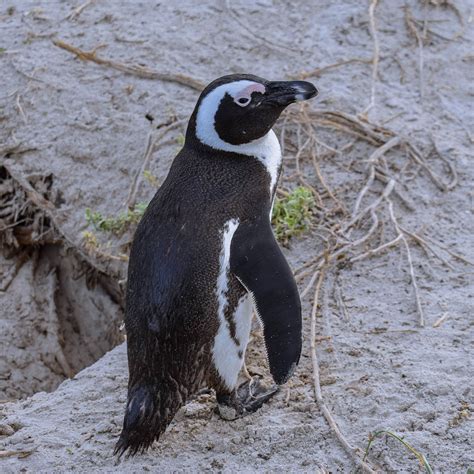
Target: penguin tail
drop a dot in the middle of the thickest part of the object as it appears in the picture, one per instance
(142, 422)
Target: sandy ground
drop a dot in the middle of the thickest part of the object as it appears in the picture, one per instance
(86, 124)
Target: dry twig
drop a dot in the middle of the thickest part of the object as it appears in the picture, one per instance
(140, 71)
(353, 452)
(77, 11)
(151, 144)
(411, 26)
(42, 228)
(419, 307)
(441, 320)
(6, 453)
(319, 70)
(343, 246)
(375, 57)
(20, 109)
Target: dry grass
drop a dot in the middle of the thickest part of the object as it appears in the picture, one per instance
(421, 457)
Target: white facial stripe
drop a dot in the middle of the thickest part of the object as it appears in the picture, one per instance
(266, 149)
(248, 91)
(205, 119)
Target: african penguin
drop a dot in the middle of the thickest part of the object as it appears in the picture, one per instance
(203, 255)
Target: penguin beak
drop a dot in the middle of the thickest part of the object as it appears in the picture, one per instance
(283, 93)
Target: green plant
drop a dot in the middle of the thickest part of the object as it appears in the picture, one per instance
(116, 224)
(292, 214)
(421, 457)
(90, 240)
(180, 139)
(151, 178)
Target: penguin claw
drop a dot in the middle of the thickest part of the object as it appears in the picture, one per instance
(248, 398)
(253, 394)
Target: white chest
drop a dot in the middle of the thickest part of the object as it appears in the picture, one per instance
(228, 352)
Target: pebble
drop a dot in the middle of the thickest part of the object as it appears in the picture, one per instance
(6, 430)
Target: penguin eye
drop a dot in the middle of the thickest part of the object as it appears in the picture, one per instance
(243, 101)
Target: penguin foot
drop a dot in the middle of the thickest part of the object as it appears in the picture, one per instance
(253, 394)
(248, 398)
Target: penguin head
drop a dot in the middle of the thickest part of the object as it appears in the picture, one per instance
(240, 109)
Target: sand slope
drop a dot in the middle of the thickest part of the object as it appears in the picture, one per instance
(86, 124)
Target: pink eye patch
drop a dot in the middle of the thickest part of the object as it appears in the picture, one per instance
(245, 95)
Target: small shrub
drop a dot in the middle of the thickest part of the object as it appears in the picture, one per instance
(292, 214)
(151, 179)
(90, 241)
(180, 139)
(116, 224)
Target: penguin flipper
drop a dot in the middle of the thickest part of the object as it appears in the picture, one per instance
(259, 264)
